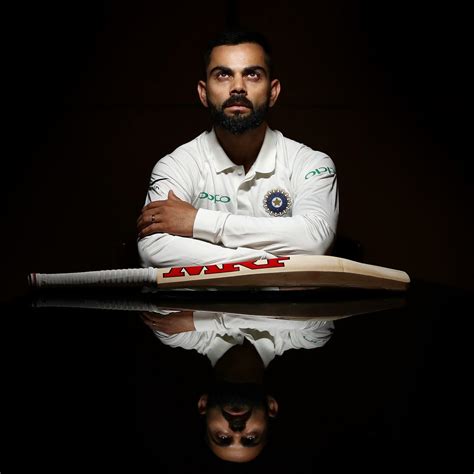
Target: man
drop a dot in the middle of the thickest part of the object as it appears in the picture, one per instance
(237, 408)
(240, 191)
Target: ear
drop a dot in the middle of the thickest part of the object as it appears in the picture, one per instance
(202, 92)
(202, 404)
(272, 407)
(275, 88)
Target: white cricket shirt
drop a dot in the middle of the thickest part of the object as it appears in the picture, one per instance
(217, 332)
(286, 204)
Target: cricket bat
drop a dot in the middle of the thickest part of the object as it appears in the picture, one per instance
(290, 272)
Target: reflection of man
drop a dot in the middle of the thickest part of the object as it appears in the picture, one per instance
(236, 407)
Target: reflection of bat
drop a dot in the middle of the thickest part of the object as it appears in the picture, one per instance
(298, 271)
(326, 309)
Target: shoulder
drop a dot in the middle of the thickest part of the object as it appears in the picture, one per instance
(299, 154)
(187, 155)
(194, 149)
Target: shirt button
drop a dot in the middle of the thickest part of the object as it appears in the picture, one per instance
(239, 172)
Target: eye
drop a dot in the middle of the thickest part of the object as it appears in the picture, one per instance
(223, 440)
(222, 75)
(253, 75)
(250, 440)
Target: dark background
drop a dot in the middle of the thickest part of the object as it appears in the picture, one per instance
(102, 90)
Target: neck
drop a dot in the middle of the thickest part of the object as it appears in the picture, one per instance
(240, 364)
(242, 149)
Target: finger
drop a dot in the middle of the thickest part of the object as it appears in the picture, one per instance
(149, 210)
(141, 223)
(153, 205)
(150, 229)
(143, 230)
(148, 218)
(151, 322)
(172, 196)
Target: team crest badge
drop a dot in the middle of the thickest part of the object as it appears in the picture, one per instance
(277, 202)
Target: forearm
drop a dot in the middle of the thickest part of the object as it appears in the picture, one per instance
(186, 340)
(309, 338)
(302, 234)
(164, 250)
(222, 322)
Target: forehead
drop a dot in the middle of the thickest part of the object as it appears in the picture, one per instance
(238, 56)
(236, 453)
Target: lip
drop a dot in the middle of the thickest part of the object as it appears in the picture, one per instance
(238, 107)
(236, 412)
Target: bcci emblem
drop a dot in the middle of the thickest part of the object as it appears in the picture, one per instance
(277, 202)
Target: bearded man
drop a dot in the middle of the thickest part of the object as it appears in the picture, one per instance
(240, 191)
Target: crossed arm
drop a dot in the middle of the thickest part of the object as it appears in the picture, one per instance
(171, 216)
(192, 330)
(173, 232)
(165, 231)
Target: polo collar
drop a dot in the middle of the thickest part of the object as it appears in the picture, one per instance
(266, 159)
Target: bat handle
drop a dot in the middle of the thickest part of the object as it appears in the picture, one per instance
(130, 277)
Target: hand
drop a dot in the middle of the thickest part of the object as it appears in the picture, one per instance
(174, 323)
(171, 216)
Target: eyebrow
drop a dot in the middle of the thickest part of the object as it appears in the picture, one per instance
(246, 70)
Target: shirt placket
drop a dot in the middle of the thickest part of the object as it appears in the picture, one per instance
(243, 198)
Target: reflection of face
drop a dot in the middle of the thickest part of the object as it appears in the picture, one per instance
(237, 420)
(238, 91)
(236, 445)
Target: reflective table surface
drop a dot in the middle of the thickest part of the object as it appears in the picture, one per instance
(345, 380)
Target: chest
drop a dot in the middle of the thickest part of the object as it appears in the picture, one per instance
(251, 194)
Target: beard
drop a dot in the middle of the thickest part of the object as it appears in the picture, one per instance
(237, 124)
(247, 397)
(236, 395)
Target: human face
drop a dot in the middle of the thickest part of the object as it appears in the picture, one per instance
(237, 417)
(238, 90)
(237, 446)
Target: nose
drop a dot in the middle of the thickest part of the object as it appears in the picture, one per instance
(237, 422)
(237, 425)
(238, 86)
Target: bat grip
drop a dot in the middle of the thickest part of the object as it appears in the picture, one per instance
(130, 277)
(89, 303)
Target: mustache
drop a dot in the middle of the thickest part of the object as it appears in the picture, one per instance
(237, 100)
(237, 422)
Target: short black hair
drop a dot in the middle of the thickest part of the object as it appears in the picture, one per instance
(234, 37)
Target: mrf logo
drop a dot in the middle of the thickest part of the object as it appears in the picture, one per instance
(225, 268)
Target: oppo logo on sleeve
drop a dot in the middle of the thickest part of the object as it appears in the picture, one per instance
(319, 171)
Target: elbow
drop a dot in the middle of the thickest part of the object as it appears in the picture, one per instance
(318, 240)
(322, 246)
(144, 253)
(148, 252)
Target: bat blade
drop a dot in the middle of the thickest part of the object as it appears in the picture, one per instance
(298, 271)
